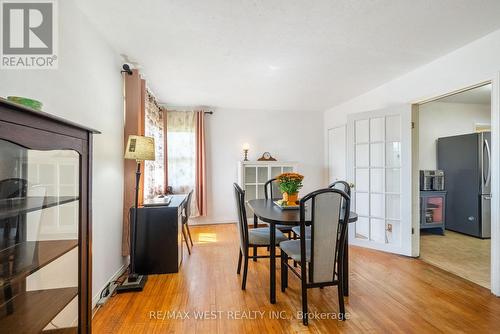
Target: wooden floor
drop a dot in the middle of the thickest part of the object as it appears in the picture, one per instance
(389, 294)
(460, 254)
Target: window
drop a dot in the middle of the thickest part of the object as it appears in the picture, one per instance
(181, 126)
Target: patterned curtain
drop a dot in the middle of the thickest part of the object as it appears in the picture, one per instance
(154, 171)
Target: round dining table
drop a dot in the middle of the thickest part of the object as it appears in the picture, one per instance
(267, 211)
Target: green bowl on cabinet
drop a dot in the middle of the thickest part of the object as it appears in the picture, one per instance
(34, 104)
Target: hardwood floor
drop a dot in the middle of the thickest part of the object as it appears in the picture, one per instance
(389, 294)
(460, 254)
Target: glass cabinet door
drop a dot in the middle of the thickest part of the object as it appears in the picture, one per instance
(434, 209)
(39, 239)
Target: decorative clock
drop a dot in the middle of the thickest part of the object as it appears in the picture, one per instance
(266, 156)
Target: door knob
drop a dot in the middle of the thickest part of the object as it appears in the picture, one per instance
(471, 218)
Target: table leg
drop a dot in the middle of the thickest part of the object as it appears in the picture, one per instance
(272, 264)
(345, 278)
(255, 224)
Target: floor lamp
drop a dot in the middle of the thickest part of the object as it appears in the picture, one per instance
(139, 148)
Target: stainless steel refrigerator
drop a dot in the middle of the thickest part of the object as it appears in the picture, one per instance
(465, 160)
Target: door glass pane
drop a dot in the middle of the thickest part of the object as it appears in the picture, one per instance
(392, 180)
(362, 228)
(393, 154)
(377, 230)
(377, 180)
(362, 183)
(376, 205)
(250, 192)
(362, 207)
(377, 155)
(262, 176)
(275, 171)
(393, 232)
(362, 131)
(39, 205)
(362, 155)
(250, 175)
(287, 169)
(393, 128)
(260, 191)
(393, 207)
(377, 129)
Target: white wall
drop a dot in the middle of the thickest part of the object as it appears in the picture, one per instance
(474, 63)
(288, 136)
(87, 89)
(441, 119)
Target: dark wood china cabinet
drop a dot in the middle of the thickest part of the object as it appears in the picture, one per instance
(45, 222)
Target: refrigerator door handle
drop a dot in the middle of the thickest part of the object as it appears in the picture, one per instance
(488, 177)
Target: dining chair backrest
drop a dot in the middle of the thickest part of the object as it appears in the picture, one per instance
(242, 217)
(341, 185)
(187, 205)
(329, 219)
(14, 187)
(272, 189)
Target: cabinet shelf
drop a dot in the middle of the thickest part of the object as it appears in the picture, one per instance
(29, 256)
(33, 310)
(14, 207)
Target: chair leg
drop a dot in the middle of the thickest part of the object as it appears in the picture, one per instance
(245, 271)
(304, 298)
(239, 262)
(185, 239)
(189, 234)
(255, 224)
(284, 271)
(341, 299)
(294, 238)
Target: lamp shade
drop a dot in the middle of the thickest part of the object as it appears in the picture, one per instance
(140, 148)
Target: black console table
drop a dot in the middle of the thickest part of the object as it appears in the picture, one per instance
(158, 248)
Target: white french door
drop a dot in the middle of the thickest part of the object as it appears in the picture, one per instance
(379, 166)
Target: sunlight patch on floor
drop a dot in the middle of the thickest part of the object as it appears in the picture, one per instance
(204, 238)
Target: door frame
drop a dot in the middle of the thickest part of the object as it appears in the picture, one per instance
(495, 177)
(344, 126)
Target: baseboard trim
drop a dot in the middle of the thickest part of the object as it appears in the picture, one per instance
(115, 276)
(201, 222)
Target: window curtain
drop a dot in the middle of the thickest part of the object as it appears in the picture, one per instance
(186, 156)
(154, 171)
(134, 104)
(201, 179)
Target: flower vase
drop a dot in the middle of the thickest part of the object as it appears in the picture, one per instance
(291, 199)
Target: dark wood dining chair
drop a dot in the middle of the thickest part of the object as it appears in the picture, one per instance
(329, 215)
(186, 213)
(340, 185)
(250, 238)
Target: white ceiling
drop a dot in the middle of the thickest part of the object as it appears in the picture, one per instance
(283, 54)
(479, 95)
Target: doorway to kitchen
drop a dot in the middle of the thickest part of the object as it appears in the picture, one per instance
(454, 182)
